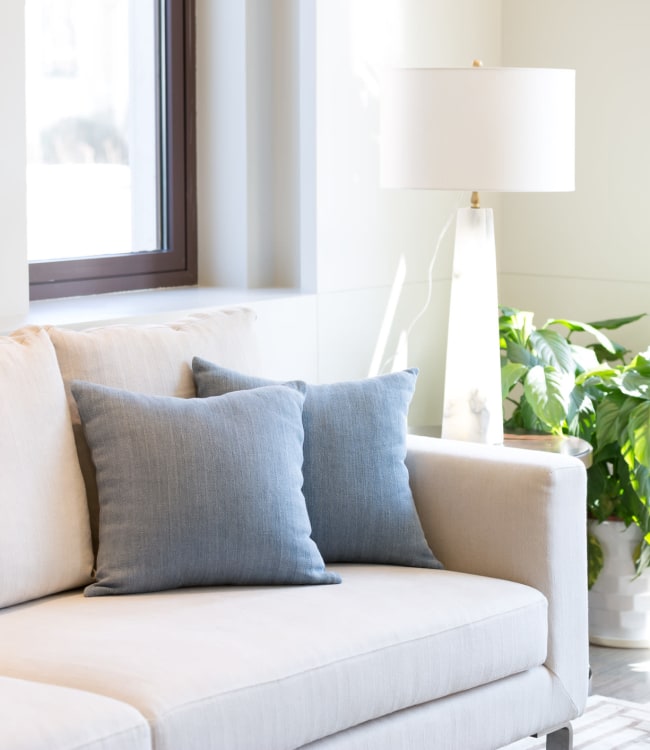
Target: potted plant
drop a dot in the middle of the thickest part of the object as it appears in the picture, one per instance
(594, 390)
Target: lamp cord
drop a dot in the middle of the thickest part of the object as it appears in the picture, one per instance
(462, 200)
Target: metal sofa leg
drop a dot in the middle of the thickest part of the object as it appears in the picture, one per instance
(560, 739)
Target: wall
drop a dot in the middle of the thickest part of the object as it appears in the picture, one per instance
(13, 248)
(364, 252)
(374, 246)
(289, 197)
(586, 254)
(288, 193)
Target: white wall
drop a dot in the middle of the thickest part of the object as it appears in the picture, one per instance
(586, 255)
(13, 246)
(287, 152)
(374, 246)
(364, 252)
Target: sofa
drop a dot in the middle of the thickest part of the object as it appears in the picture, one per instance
(195, 557)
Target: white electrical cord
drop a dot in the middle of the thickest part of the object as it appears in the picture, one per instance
(462, 200)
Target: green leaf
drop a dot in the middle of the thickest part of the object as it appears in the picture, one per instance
(640, 364)
(601, 375)
(574, 325)
(639, 432)
(584, 359)
(548, 393)
(642, 557)
(594, 559)
(524, 418)
(553, 350)
(634, 384)
(580, 405)
(519, 354)
(507, 312)
(599, 501)
(515, 325)
(511, 374)
(607, 427)
(603, 355)
(613, 323)
(638, 505)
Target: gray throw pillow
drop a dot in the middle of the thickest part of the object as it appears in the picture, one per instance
(356, 483)
(199, 492)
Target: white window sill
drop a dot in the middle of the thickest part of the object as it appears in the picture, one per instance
(154, 305)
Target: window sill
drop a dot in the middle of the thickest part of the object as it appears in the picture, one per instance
(151, 306)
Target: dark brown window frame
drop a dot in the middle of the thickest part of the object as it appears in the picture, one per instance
(175, 264)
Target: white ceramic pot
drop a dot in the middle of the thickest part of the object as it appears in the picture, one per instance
(619, 603)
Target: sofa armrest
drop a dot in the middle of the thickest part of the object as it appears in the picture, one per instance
(514, 514)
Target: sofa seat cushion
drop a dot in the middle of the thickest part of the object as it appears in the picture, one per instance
(37, 715)
(278, 667)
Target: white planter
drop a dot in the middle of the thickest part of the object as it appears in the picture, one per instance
(619, 604)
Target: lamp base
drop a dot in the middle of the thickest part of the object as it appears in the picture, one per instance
(472, 403)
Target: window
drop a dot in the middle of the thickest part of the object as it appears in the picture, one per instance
(111, 165)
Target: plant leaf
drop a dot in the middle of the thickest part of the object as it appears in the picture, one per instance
(639, 433)
(642, 557)
(515, 325)
(584, 359)
(602, 355)
(548, 393)
(580, 405)
(634, 384)
(607, 422)
(640, 364)
(511, 374)
(574, 325)
(520, 355)
(594, 559)
(613, 323)
(553, 350)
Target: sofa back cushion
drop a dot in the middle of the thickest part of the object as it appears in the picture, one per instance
(44, 531)
(154, 359)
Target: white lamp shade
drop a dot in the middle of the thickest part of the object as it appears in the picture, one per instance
(482, 129)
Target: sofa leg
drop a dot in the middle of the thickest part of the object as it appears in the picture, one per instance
(560, 739)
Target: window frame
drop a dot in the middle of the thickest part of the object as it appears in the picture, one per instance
(175, 264)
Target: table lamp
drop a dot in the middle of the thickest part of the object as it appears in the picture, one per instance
(476, 129)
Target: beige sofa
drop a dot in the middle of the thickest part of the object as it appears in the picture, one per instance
(488, 650)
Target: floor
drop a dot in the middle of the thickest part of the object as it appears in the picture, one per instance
(622, 673)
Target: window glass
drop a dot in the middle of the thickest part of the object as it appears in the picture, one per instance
(111, 120)
(92, 128)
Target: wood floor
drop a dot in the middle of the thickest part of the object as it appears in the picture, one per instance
(622, 673)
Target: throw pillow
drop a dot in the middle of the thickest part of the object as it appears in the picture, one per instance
(356, 483)
(44, 530)
(198, 492)
(149, 358)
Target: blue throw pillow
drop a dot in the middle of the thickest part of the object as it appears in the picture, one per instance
(196, 492)
(356, 483)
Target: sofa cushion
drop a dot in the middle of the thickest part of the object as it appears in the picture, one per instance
(194, 492)
(278, 667)
(153, 359)
(44, 530)
(35, 715)
(356, 482)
